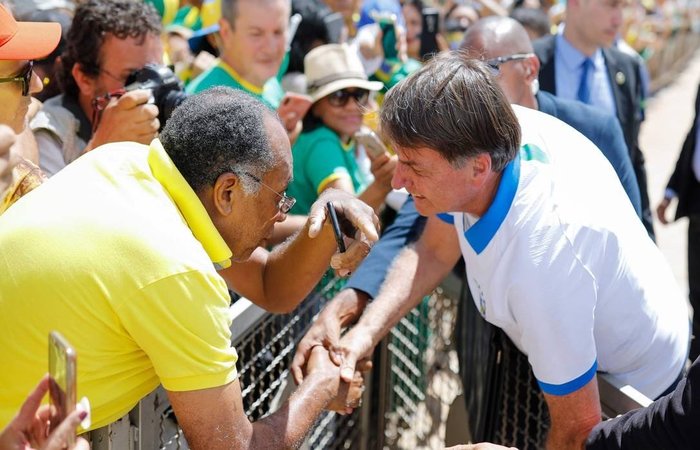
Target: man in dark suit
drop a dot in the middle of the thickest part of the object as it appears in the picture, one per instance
(671, 422)
(580, 64)
(685, 186)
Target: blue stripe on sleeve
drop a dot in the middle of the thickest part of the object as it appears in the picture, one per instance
(447, 218)
(571, 386)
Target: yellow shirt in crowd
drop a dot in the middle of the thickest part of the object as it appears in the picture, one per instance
(118, 254)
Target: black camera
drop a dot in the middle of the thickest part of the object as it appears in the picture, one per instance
(165, 87)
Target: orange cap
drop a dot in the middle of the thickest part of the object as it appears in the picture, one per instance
(26, 40)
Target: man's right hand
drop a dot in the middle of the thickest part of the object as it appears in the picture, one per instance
(345, 308)
(128, 118)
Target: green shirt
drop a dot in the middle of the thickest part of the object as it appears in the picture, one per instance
(223, 75)
(320, 158)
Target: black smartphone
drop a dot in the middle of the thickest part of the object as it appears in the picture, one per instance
(336, 227)
(62, 381)
(428, 36)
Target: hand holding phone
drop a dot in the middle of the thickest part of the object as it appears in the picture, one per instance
(62, 380)
(387, 25)
(372, 144)
(336, 227)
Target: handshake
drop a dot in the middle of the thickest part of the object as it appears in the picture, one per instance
(344, 360)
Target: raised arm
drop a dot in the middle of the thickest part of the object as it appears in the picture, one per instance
(214, 419)
(277, 281)
(413, 274)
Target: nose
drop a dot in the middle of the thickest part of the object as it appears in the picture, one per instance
(280, 217)
(35, 84)
(399, 179)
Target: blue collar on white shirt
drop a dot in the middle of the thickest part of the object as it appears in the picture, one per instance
(480, 234)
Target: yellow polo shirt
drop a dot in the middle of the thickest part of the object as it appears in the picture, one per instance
(118, 254)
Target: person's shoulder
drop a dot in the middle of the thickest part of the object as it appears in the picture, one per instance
(214, 76)
(544, 46)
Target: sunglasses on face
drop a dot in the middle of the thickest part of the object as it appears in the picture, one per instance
(342, 97)
(495, 63)
(25, 78)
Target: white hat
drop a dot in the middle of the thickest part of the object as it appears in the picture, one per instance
(332, 67)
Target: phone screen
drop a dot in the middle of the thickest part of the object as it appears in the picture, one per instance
(62, 379)
(428, 36)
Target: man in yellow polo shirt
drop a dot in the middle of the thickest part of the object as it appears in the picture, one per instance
(119, 252)
(253, 45)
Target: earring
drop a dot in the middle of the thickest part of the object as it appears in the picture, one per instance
(535, 86)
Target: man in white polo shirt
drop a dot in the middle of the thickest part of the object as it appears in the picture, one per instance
(555, 253)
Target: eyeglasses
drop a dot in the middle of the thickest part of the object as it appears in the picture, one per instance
(495, 63)
(340, 98)
(25, 77)
(285, 203)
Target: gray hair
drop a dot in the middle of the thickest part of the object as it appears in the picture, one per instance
(217, 131)
(454, 106)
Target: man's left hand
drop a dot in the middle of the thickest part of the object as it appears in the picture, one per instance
(357, 222)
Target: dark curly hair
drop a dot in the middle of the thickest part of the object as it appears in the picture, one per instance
(217, 131)
(93, 20)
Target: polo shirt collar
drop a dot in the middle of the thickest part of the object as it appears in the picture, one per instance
(482, 232)
(190, 206)
(248, 86)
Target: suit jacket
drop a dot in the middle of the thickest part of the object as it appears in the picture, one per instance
(625, 79)
(683, 181)
(603, 130)
(671, 422)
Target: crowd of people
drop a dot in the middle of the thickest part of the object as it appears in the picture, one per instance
(162, 158)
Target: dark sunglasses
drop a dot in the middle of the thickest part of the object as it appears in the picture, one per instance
(340, 98)
(25, 77)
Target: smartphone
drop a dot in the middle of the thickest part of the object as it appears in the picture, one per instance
(387, 24)
(428, 36)
(62, 381)
(294, 103)
(336, 227)
(334, 24)
(371, 142)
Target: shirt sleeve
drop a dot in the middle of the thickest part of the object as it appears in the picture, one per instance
(325, 163)
(181, 322)
(50, 152)
(553, 304)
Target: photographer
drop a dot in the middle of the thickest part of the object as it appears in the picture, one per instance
(108, 40)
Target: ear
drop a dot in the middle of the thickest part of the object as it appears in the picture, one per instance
(224, 193)
(532, 68)
(481, 167)
(225, 29)
(85, 82)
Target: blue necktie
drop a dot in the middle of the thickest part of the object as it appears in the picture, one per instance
(584, 92)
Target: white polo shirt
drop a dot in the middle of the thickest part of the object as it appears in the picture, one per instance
(563, 265)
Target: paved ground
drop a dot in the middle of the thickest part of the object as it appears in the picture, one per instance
(669, 117)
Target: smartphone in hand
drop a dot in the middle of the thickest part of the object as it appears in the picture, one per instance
(387, 24)
(62, 381)
(372, 144)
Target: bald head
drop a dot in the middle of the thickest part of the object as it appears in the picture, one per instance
(503, 37)
(495, 36)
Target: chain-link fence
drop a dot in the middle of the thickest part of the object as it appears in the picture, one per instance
(410, 390)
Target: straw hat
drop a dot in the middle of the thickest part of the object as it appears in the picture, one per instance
(333, 67)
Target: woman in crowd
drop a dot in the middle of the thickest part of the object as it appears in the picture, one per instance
(325, 152)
